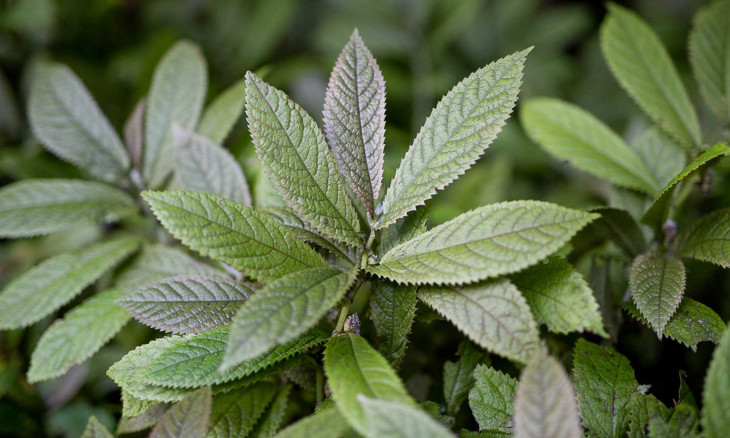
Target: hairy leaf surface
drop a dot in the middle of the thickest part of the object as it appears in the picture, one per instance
(657, 285)
(708, 239)
(716, 395)
(392, 309)
(492, 399)
(234, 414)
(222, 114)
(394, 419)
(458, 379)
(188, 418)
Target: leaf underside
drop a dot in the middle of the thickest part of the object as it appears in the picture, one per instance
(708, 239)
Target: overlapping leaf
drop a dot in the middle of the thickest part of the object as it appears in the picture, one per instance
(458, 379)
(492, 399)
(325, 423)
(657, 285)
(660, 154)
(618, 225)
(234, 414)
(273, 417)
(708, 239)
(188, 418)
(94, 429)
(394, 419)
(134, 133)
(146, 420)
(221, 115)
(716, 396)
(392, 309)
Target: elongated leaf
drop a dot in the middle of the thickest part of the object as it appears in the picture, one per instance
(76, 337)
(41, 206)
(54, 282)
(709, 54)
(235, 413)
(393, 419)
(67, 120)
(660, 154)
(657, 285)
(403, 230)
(559, 297)
(642, 66)
(222, 114)
(392, 309)
(141, 422)
(486, 242)
(273, 417)
(353, 367)
(618, 225)
(605, 384)
(708, 239)
(187, 303)
(94, 429)
(298, 162)
(493, 314)
(204, 166)
(283, 310)
(188, 418)
(233, 233)
(354, 120)
(716, 395)
(570, 133)
(460, 128)
(134, 133)
(325, 423)
(545, 405)
(176, 96)
(458, 379)
(492, 399)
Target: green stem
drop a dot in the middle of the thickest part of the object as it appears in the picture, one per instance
(343, 316)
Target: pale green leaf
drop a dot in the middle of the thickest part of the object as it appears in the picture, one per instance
(325, 423)
(94, 429)
(486, 242)
(41, 206)
(273, 417)
(141, 422)
(492, 399)
(458, 378)
(187, 303)
(660, 154)
(605, 384)
(618, 225)
(233, 233)
(187, 418)
(235, 413)
(708, 239)
(67, 120)
(222, 114)
(76, 337)
(493, 314)
(642, 66)
(134, 134)
(51, 284)
(545, 405)
(133, 407)
(657, 285)
(175, 96)
(716, 395)
(354, 120)
(353, 367)
(392, 309)
(298, 162)
(394, 419)
(460, 128)
(571, 133)
(283, 310)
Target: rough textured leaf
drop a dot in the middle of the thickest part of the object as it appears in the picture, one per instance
(618, 225)
(176, 96)
(233, 233)
(392, 309)
(493, 314)
(40, 206)
(67, 120)
(458, 379)
(235, 413)
(353, 367)
(283, 310)
(708, 239)
(76, 337)
(559, 297)
(657, 285)
(296, 158)
(642, 66)
(273, 417)
(146, 420)
(54, 282)
(492, 399)
(643, 409)
(660, 154)
(716, 395)
(325, 423)
(133, 407)
(486, 242)
(403, 230)
(94, 429)
(222, 114)
(545, 405)
(460, 128)
(187, 303)
(204, 166)
(393, 419)
(709, 54)
(188, 418)
(605, 384)
(570, 133)
(354, 120)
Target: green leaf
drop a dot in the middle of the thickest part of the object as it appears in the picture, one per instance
(67, 120)
(187, 303)
(458, 379)
(222, 114)
(204, 166)
(353, 367)
(94, 429)
(571, 133)
(492, 399)
(709, 54)
(708, 239)
(283, 310)
(643, 409)
(460, 128)
(325, 423)
(716, 396)
(274, 415)
(392, 309)
(133, 407)
(486, 242)
(188, 418)
(146, 420)
(403, 230)
(175, 96)
(393, 419)
(76, 337)
(660, 154)
(493, 314)
(234, 414)
(233, 233)
(545, 405)
(49, 285)
(354, 120)
(134, 133)
(605, 384)
(41, 206)
(618, 225)
(659, 209)
(559, 297)
(657, 285)
(296, 158)
(642, 66)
